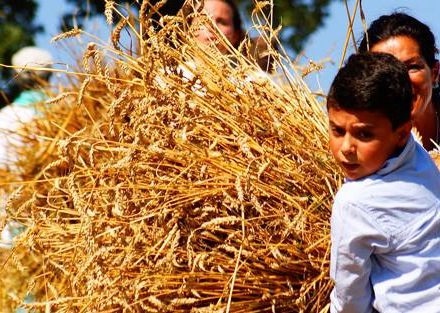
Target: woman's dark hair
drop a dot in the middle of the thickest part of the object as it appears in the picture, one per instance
(236, 18)
(376, 82)
(401, 24)
(169, 8)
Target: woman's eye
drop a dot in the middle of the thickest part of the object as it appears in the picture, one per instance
(221, 22)
(414, 67)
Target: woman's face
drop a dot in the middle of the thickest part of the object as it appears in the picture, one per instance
(222, 15)
(422, 76)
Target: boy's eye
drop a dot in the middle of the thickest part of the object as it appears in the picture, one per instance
(364, 135)
(336, 131)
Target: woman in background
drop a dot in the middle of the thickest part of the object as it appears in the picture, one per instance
(413, 43)
(225, 15)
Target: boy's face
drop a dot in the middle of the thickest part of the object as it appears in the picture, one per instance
(361, 141)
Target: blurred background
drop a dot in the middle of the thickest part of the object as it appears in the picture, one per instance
(313, 30)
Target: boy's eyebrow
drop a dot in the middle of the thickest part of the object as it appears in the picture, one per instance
(362, 125)
(331, 123)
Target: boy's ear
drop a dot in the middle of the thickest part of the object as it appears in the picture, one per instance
(403, 133)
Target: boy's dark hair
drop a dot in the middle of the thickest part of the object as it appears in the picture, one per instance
(401, 24)
(376, 82)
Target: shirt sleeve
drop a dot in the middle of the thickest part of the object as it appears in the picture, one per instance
(354, 236)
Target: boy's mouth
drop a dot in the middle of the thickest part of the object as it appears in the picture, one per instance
(349, 167)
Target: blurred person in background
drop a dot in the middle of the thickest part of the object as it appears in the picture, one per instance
(226, 16)
(20, 111)
(413, 43)
(31, 80)
(12, 117)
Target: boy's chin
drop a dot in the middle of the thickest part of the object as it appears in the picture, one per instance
(354, 175)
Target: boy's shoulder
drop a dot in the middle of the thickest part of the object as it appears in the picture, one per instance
(355, 191)
(394, 205)
(406, 190)
(411, 174)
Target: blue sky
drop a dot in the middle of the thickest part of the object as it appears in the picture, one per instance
(329, 40)
(49, 15)
(326, 43)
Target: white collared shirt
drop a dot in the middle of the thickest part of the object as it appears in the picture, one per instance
(385, 233)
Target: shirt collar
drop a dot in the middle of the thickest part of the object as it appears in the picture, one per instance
(392, 164)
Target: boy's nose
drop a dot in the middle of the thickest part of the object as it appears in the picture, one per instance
(347, 147)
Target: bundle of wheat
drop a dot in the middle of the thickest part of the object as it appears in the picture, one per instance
(175, 179)
(435, 154)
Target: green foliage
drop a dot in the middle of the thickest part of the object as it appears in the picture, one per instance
(17, 30)
(89, 8)
(300, 18)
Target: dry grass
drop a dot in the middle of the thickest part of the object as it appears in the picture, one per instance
(170, 179)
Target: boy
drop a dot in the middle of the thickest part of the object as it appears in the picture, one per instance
(385, 227)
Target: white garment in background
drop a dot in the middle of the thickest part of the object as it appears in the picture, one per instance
(12, 117)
